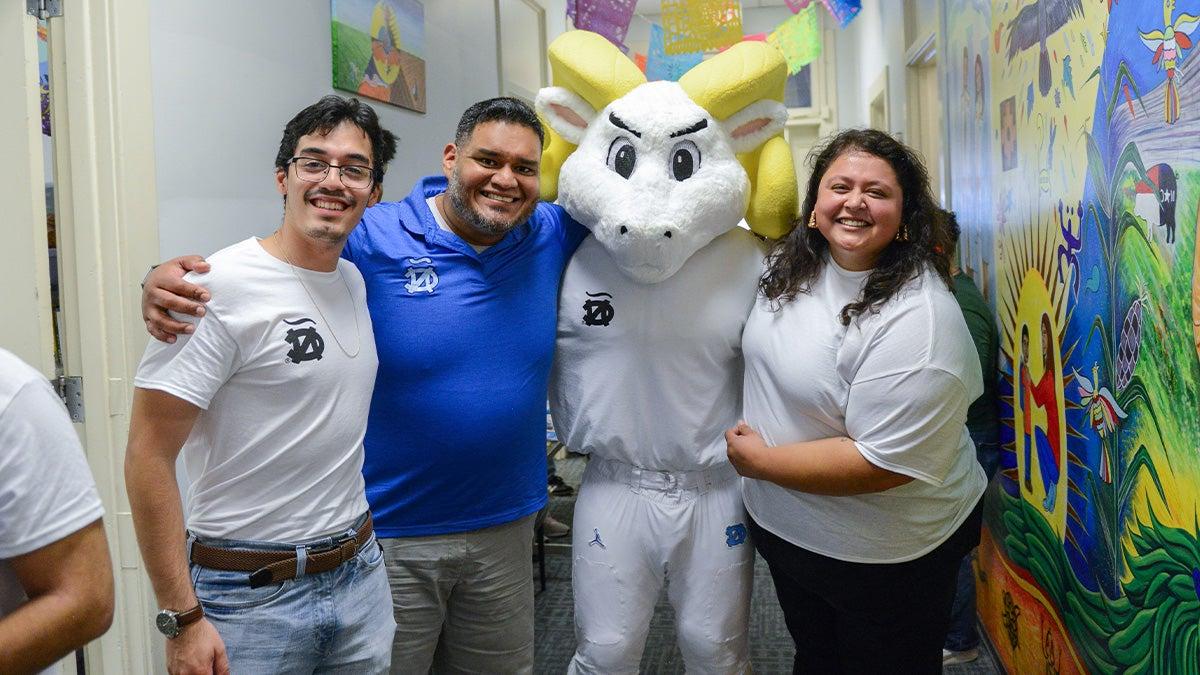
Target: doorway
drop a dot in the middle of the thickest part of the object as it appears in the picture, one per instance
(924, 119)
(78, 189)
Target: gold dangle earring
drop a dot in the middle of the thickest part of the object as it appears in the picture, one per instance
(812, 220)
(902, 234)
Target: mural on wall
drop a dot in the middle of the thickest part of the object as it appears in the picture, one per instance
(379, 50)
(970, 107)
(1090, 560)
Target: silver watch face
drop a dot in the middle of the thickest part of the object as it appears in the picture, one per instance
(167, 623)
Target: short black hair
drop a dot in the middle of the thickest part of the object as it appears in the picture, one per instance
(499, 109)
(324, 115)
(952, 229)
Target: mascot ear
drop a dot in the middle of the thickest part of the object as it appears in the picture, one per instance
(751, 126)
(566, 112)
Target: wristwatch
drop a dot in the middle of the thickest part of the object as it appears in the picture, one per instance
(170, 623)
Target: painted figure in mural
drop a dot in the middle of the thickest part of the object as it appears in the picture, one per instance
(384, 65)
(860, 474)
(1168, 44)
(979, 92)
(1067, 253)
(1036, 22)
(1048, 438)
(965, 97)
(1025, 402)
(1103, 409)
(1008, 138)
(1154, 201)
(1068, 79)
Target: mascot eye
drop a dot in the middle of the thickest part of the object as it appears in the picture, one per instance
(685, 160)
(622, 157)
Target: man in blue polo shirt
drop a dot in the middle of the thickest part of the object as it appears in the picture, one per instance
(462, 283)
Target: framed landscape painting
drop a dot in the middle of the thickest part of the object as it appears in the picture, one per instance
(379, 50)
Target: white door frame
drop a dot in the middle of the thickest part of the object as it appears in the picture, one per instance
(107, 233)
(25, 322)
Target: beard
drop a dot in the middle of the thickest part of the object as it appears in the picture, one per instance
(493, 227)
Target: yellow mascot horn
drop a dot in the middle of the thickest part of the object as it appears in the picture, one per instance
(592, 67)
(730, 81)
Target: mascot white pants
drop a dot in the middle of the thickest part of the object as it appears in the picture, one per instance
(636, 529)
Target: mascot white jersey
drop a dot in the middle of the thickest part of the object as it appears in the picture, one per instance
(648, 369)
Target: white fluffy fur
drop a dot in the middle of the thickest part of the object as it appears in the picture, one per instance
(651, 202)
(563, 110)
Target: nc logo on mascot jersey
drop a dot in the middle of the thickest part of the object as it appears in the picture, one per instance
(598, 312)
(735, 535)
(307, 344)
(421, 279)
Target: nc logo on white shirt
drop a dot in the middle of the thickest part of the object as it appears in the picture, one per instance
(599, 310)
(420, 279)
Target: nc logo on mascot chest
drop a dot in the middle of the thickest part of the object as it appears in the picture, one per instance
(598, 312)
(422, 277)
(735, 535)
(307, 344)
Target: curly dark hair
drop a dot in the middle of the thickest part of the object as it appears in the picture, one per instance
(327, 113)
(794, 261)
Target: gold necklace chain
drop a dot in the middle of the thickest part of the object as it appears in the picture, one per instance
(328, 324)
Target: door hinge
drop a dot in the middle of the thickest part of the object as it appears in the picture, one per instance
(43, 9)
(70, 390)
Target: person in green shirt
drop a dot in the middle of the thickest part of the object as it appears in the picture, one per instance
(983, 423)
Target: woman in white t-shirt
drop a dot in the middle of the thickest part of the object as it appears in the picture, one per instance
(861, 480)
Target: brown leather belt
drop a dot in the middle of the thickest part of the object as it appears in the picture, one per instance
(272, 567)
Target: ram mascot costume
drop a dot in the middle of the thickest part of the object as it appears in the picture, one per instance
(648, 369)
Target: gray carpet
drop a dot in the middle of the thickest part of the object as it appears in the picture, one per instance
(771, 647)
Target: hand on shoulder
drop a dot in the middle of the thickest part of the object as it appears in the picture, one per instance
(164, 290)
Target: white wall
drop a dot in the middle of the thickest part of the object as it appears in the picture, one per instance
(874, 39)
(227, 76)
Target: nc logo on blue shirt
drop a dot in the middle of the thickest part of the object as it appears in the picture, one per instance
(420, 279)
(735, 535)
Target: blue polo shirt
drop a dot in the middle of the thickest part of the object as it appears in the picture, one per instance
(456, 436)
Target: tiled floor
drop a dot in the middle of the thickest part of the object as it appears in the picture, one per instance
(770, 646)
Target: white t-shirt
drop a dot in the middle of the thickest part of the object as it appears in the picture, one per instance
(897, 382)
(46, 488)
(651, 374)
(276, 455)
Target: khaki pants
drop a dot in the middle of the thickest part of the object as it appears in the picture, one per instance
(463, 602)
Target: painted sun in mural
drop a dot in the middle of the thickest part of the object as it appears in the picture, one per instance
(1033, 312)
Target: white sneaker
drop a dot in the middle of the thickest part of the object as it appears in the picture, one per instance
(950, 658)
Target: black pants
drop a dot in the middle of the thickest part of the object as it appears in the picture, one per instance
(850, 617)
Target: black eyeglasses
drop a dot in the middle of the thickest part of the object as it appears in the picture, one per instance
(315, 170)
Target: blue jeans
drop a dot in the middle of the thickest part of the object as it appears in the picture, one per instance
(962, 634)
(338, 621)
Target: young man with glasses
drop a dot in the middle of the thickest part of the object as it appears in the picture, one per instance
(267, 398)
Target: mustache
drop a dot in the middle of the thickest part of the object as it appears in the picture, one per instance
(322, 192)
